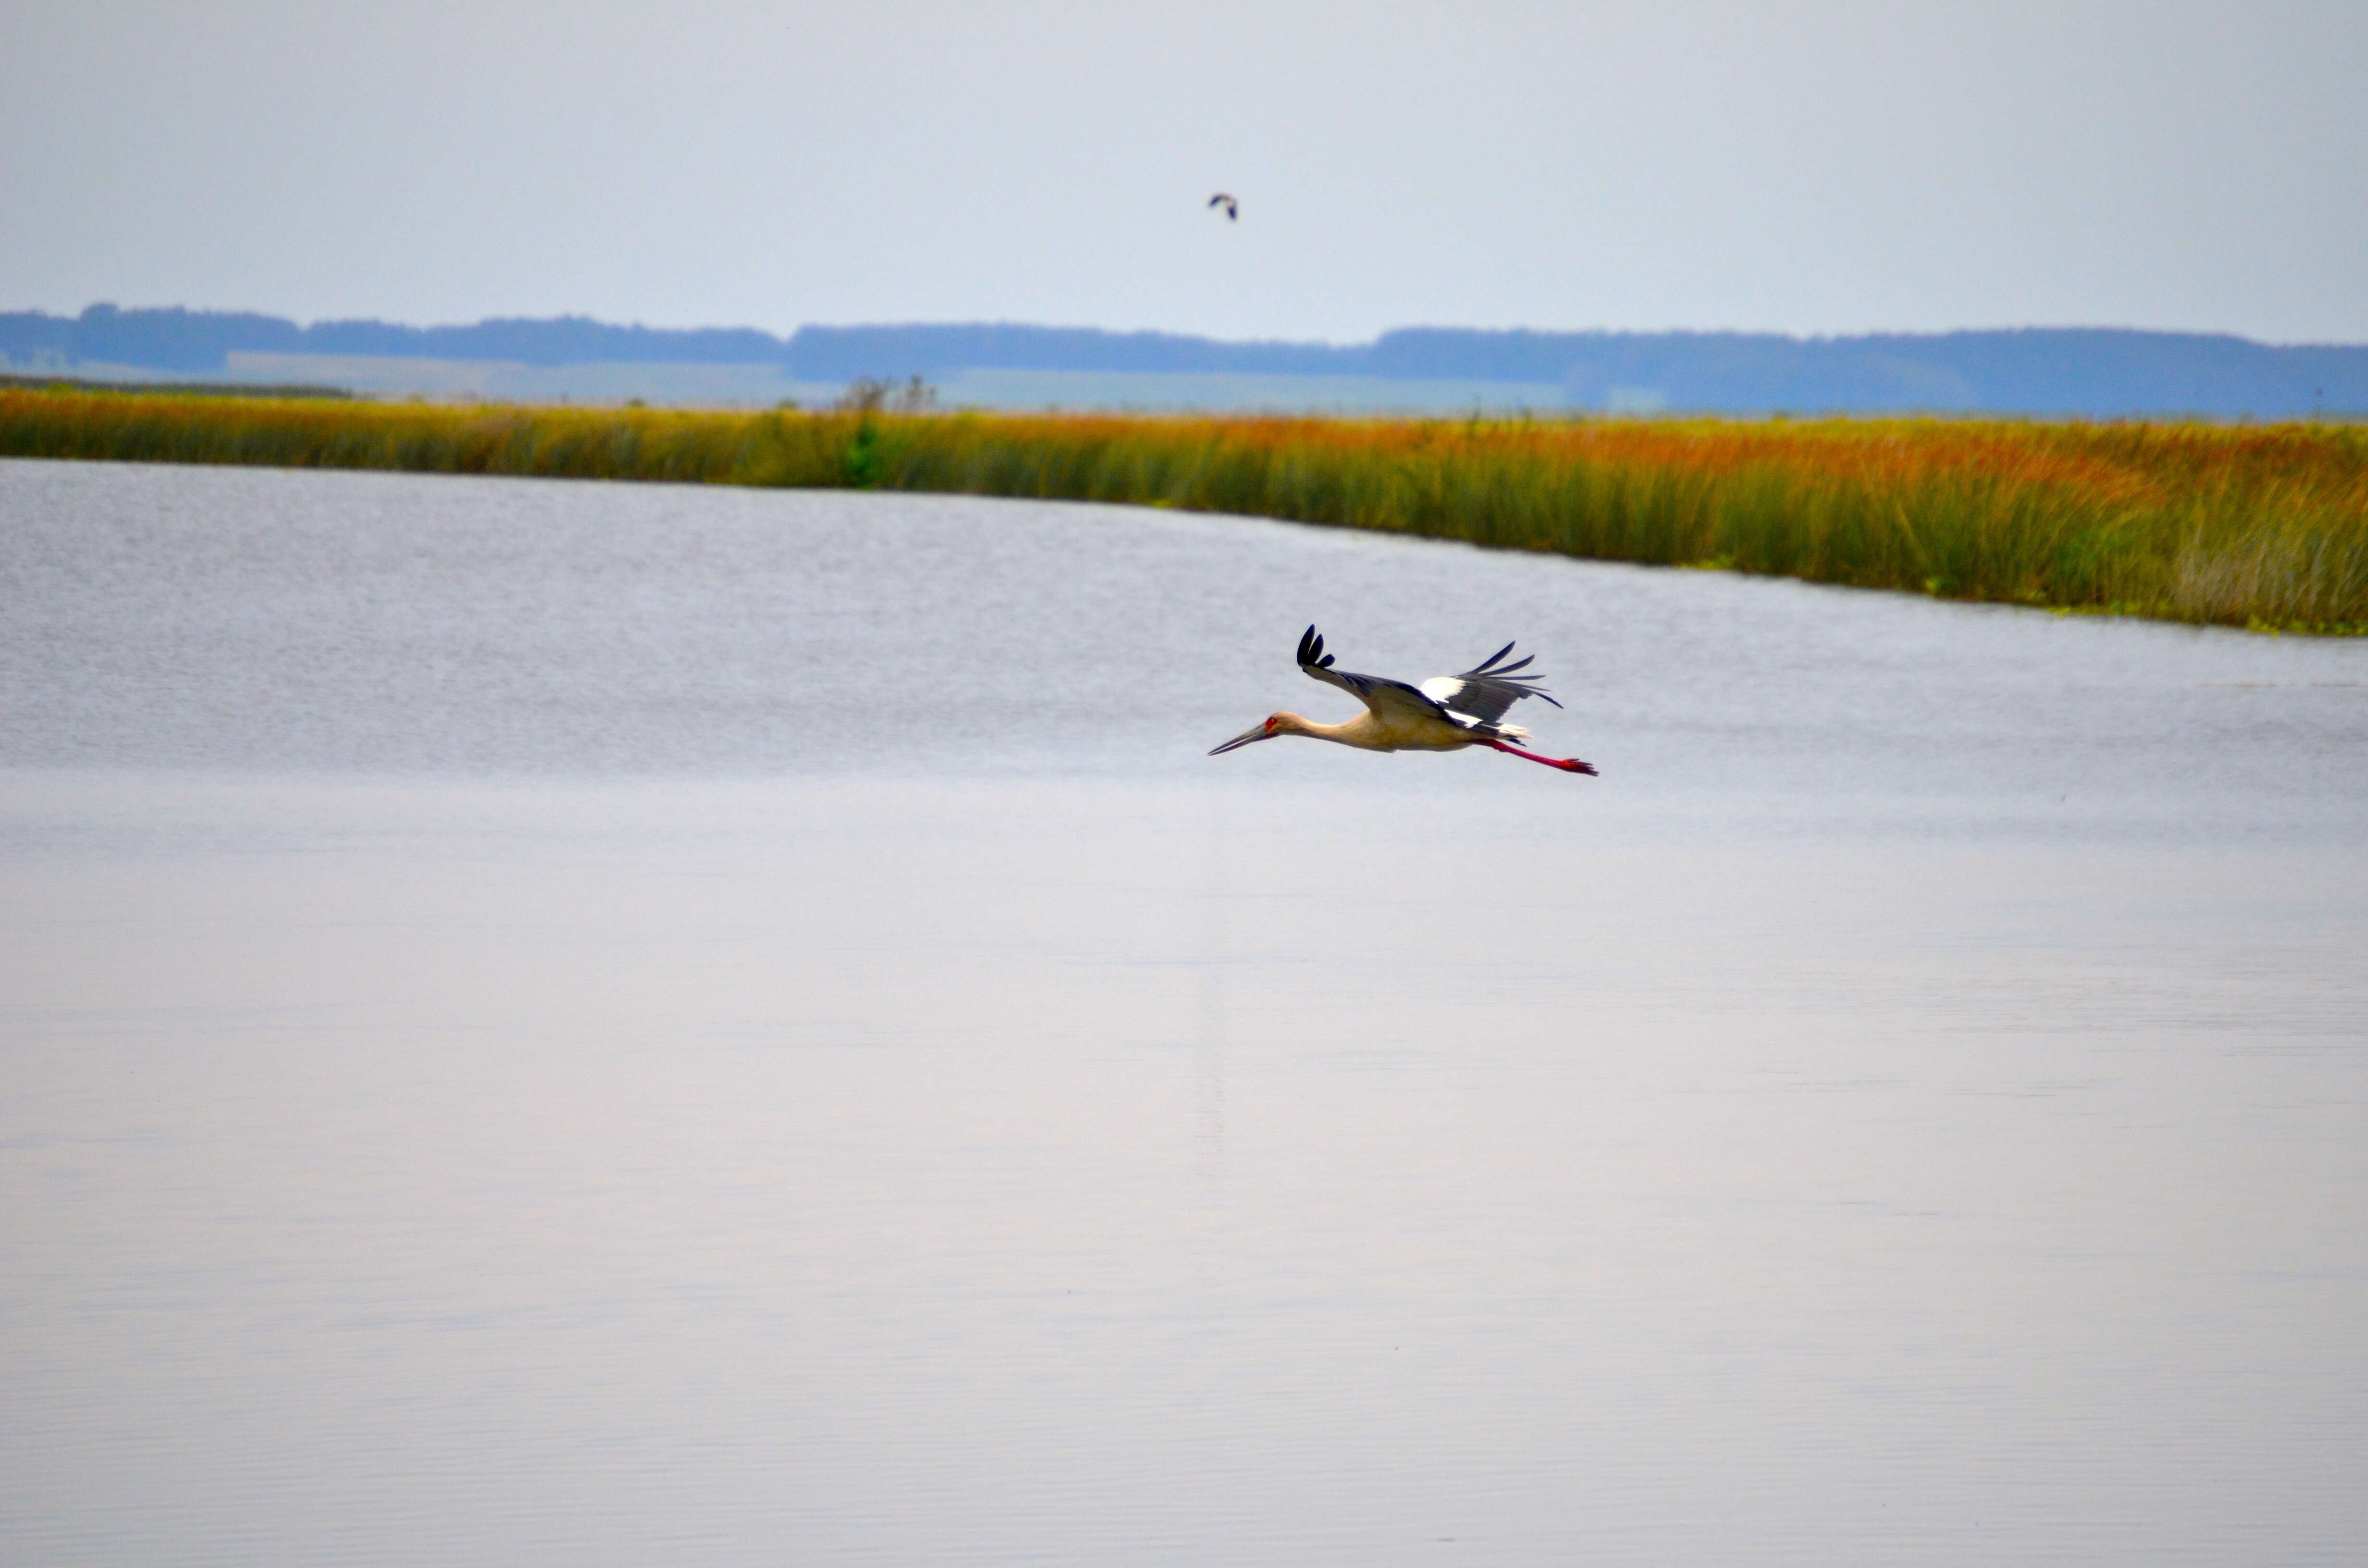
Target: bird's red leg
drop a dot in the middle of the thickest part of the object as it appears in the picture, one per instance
(1568, 764)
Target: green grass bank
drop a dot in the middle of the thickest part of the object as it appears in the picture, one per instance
(2258, 526)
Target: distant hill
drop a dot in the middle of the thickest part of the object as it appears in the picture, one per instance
(2093, 371)
(2096, 372)
(177, 339)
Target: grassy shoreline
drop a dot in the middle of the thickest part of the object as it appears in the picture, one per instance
(2257, 526)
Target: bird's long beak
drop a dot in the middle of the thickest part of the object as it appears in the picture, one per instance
(1258, 731)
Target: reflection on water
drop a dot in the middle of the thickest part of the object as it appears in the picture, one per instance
(579, 1024)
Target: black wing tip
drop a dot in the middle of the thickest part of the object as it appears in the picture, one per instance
(1494, 668)
(1311, 650)
(1488, 669)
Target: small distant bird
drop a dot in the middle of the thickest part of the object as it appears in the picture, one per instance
(1233, 208)
(1445, 714)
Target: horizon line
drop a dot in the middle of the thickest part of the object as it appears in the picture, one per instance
(636, 325)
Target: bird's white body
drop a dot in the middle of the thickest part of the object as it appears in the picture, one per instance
(1371, 731)
(1445, 714)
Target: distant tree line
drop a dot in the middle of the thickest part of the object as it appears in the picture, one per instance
(177, 339)
(2097, 372)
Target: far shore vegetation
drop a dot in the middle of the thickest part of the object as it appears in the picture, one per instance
(2260, 526)
(15, 382)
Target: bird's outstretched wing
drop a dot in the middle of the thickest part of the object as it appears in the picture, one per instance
(1488, 690)
(1383, 696)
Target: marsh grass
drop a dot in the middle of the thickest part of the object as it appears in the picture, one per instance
(2250, 526)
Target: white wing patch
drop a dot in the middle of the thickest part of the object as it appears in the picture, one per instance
(1443, 690)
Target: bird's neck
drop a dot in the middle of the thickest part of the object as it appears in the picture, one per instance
(1346, 735)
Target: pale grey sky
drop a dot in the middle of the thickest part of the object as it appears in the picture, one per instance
(1809, 167)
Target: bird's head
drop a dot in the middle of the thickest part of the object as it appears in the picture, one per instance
(1273, 725)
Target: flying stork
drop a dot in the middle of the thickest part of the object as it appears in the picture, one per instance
(1233, 208)
(1445, 714)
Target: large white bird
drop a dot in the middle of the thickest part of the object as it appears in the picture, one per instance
(1445, 714)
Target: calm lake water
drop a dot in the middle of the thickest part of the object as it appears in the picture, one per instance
(565, 1024)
